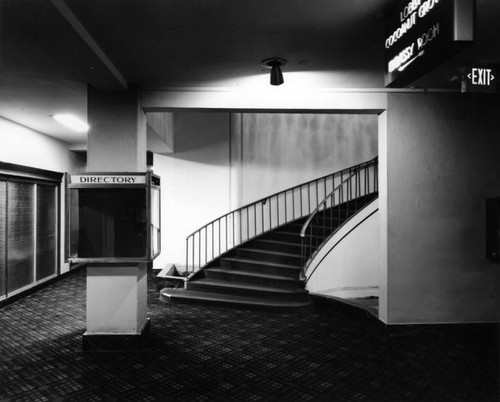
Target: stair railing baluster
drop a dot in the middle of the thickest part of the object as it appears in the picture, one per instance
(302, 258)
(301, 206)
(248, 222)
(255, 219)
(262, 215)
(349, 185)
(331, 212)
(187, 252)
(365, 182)
(356, 191)
(285, 196)
(355, 178)
(317, 195)
(239, 215)
(367, 191)
(341, 201)
(359, 183)
(352, 184)
(375, 178)
(234, 231)
(310, 242)
(348, 203)
(270, 217)
(323, 231)
(309, 196)
(277, 210)
(372, 181)
(324, 189)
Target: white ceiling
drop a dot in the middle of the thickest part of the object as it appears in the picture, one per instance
(50, 50)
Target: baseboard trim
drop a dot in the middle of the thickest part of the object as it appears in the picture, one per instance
(117, 342)
(381, 330)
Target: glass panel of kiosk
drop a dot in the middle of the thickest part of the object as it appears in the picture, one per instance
(113, 217)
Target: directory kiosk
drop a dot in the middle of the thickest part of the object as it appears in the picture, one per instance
(113, 217)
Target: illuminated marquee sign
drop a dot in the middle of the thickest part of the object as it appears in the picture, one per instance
(421, 34)
(481, 79)
(108, 179)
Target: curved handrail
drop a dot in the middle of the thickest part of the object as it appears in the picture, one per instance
(249, 221)
(264, 199)
(360, 180)
(318, 208)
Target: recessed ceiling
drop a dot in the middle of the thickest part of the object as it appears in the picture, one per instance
(46, 64)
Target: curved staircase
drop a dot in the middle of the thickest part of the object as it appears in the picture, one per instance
(264, 271)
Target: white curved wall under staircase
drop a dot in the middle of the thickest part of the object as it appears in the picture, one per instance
(347, 265)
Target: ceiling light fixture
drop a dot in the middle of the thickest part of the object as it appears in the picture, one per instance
(275, 64)
(72, 122)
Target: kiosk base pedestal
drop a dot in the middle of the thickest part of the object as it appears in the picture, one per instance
(116, 306)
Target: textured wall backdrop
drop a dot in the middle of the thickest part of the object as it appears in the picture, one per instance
(282, 150)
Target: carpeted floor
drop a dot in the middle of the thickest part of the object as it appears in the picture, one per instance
(201, 353)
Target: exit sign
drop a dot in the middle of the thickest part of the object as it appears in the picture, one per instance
(481, 79)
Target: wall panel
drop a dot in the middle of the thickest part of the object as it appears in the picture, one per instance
(20, 235)
(3, 238)
(282, 150)
(442, 163)
(46, 231)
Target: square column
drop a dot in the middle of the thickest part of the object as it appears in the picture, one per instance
(117, 139)
(116, 292)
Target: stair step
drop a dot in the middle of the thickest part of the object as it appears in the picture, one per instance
(269, 256)
(252, 277)
(246, 289)
(288, 231)
(289, 236)
(277, 245)
(320, 218)
(320, 230)
(282, 235)
(273, 268)
(187, 296)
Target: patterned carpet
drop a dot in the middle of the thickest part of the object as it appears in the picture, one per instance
(200, 353)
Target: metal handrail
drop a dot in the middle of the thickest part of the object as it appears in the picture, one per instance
(275, 194)
(324, 202)
(359, 179)
(223, 234)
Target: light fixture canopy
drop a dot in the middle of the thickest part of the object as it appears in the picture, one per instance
(72, 122)
(275, 64)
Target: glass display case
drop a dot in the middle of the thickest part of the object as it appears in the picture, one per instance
(113, 217)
